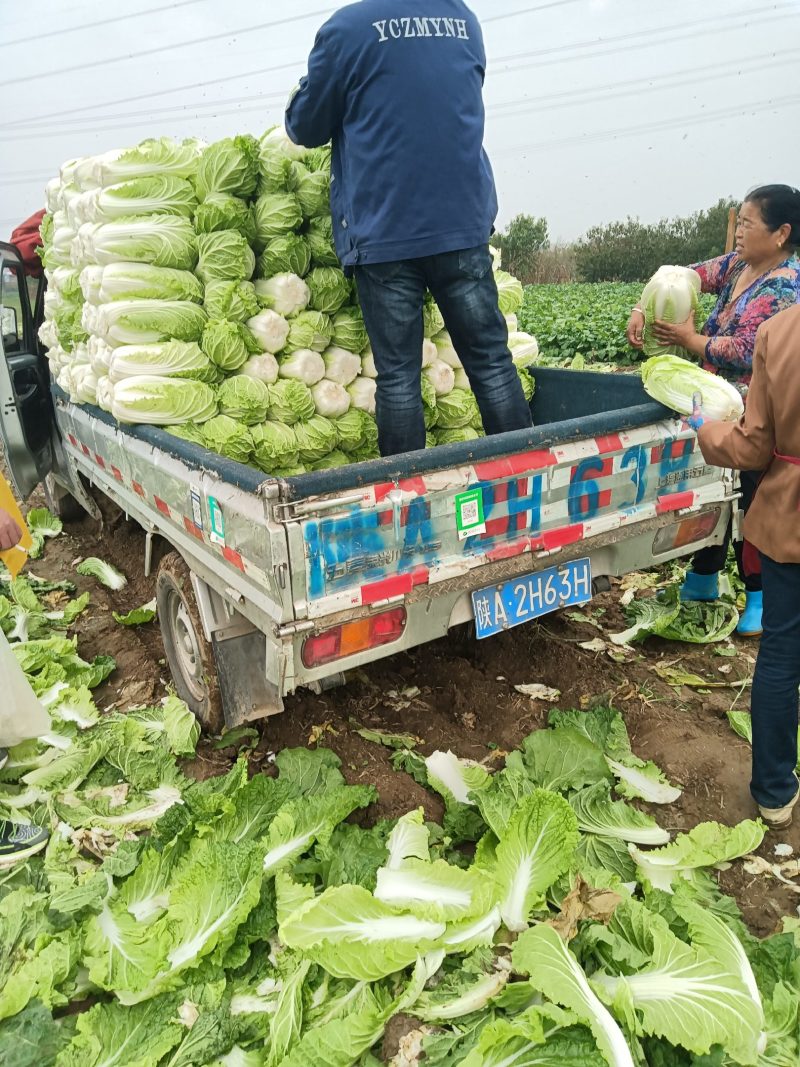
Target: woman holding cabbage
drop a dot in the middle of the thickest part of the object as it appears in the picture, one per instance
(768, 436)
(756, 281)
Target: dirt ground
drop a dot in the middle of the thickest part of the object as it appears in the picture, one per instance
(459, 693)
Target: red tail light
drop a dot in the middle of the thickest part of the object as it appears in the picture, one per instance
(678, 534)
(353, 637)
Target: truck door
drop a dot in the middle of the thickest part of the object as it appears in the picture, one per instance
(26, 412)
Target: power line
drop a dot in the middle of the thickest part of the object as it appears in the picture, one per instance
(35, 38)
(529, 10)
(30, 122)
(108, 60)
(509, 109)
(175, 110)
(634, 86)
(653, 127)
(650, 36)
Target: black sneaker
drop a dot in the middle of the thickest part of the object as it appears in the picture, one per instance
(3, 757)
(19, 841)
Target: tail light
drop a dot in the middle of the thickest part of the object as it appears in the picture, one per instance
(687, 532)
(353, 637)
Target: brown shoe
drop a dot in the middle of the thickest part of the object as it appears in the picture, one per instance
(779, 818)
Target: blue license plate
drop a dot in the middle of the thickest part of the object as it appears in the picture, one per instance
(502, 606)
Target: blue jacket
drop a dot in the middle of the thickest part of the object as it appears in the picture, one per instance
(397, 86)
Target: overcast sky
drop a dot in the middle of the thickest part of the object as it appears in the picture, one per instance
(596, 109)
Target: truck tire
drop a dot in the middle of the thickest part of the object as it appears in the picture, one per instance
(189, 655)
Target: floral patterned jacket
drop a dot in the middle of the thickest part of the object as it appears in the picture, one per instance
(732, 325)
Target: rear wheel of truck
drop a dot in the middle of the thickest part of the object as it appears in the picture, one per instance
(190, 656)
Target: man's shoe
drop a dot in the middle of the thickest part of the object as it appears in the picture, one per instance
(779, 818)
(700, 587)
(750, 624)
(19, 841)
(3, 757)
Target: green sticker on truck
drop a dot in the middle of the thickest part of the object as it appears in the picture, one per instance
(469, 514)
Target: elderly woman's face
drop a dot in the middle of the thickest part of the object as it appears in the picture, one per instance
(755, 242)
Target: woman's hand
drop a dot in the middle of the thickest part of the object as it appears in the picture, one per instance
(635, 330)
(676, 333)
(10, 533)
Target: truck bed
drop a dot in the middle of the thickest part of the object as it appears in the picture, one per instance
(601, 472)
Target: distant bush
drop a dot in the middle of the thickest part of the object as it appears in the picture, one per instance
(632, 250)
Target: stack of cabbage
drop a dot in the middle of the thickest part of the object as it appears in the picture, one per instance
(152, 314)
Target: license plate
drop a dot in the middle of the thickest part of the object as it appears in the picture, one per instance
(502, 606)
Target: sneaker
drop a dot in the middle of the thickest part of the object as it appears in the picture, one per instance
(779, 818)
(19, 841)
(3, 757)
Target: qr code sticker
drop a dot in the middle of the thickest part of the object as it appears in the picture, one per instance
(469, 513)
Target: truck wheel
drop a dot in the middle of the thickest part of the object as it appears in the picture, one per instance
(190, 656)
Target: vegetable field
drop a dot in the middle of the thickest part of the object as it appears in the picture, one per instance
(398, 871)
(584, 319)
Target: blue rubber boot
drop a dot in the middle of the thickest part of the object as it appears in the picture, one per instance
(750, 622)
(700, 587)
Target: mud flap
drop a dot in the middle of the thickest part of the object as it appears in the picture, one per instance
(247, 694)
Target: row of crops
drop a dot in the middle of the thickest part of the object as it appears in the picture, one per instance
(584, 320)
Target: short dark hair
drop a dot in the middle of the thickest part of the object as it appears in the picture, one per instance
(779, 205)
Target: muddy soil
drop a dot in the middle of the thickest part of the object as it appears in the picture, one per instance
(459, 693)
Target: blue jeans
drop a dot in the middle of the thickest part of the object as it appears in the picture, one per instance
(462, 283)
(774, 701)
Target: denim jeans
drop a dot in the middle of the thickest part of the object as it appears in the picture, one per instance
(774, 700)
(463, 285)
(712, 560)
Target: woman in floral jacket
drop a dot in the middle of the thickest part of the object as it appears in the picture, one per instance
(759, 279)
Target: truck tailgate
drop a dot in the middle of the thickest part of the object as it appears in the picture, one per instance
(377, 542)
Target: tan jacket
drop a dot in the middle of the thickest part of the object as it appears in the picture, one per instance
(770, 425)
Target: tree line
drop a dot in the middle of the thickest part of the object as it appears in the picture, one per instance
(627, 251)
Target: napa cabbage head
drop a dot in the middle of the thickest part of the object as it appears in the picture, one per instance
(316, 437)
(330, 399)
(313, 192)
(160, 240)
(509, 292)
(309, 329)
(290, 253)
(349, 331)
(673, 381)
(153, 194)
(671, 296)
(173, 359)
(320, 239)
(229, 166)
(244, 398)
(156, 155)
(221, 211)
(140, 281)
(329, 289)
(274, 446)
(304, 364)
(228, 437)
(231, 299)
(128, 322)
(290, 401)
(162, 401)
(285, 294)
(224, 254)
(275, 215)
(228, 344)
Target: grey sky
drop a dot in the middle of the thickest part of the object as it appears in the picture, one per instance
(613, 107)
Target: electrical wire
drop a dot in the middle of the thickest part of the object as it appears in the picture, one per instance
(652, 127)
(615, 91)
(651, 38)
(35, 38)
(108, 60)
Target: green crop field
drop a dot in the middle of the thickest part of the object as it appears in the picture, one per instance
(587, 320)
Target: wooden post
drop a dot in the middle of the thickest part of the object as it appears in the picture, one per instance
(730, 240)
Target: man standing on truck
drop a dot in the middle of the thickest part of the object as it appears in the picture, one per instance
(398, 89)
